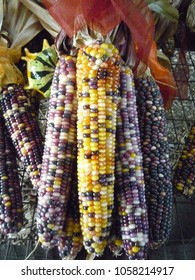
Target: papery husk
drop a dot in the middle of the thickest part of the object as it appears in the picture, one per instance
(2, 9)
(166, 19)
(163, 77)
(175, 3)
(63, 42)
(45, 19)
(20, 23)
(163, 60)
(18, 27)
(190, 16)
(121, 37)
(9, 73)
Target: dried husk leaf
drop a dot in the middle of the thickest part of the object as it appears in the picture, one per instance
(175, 3)
(47, 22)
(163, 60)
(20, 23)
(166, 19)
(9, 73)
(190, 16)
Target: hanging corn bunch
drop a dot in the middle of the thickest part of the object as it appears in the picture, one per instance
(11, 208)
(184, 175)
(58, 155)
(130, 187)
(23, 129)
(97, 90)
(155, 150)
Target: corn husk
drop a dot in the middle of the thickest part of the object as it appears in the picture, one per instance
(166, 19)
(47, 22)
(190, 16)
(163, 60)
(20, 22)
(175, 3)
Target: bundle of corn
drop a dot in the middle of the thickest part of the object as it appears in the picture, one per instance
(23, 129)
(97, 90)
(11, 212)
(184, 176)
(130, 187)
(155, 150)
(71, 241)
(58, 155)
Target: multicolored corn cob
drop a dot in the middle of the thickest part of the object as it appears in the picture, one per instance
(184, 173)
(157, 167)
(97, 82)
(130, 186)
(11, 208)
(23, 129)
(72, 240)
(115, 243)
(59, 153)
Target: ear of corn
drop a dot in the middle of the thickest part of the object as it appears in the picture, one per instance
(71, 241)
(11, 208)
(23, 129)
(58, 155)
(157, 168)
(184, 173)
(130, 186)
(97, 82)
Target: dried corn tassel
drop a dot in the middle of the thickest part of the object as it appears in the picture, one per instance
(23, 129)
(157, 168)
(130, 187)
(184, 175)
(11, 208)
(97, 82)
(58, 156)
(72, 241)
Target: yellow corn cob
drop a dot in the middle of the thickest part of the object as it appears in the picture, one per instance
(97, 89)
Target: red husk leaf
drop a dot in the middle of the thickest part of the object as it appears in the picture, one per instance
(104, 15)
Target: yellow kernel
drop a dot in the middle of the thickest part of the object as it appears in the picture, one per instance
(7, 204)
(135, 249)
(49, 189)
(93, 52)
(69, 57)
(76, 239)
(35, 173)
(21, 125)
(4, 177)
(60, 108)
(50, 226)
(118, 242)
(104, 46)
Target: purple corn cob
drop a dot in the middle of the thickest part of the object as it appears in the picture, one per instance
(11, 208)
(58, 155)
(130, 187)
(157, 168)
(23, 129)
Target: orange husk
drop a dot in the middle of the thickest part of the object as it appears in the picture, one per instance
(163, 78)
